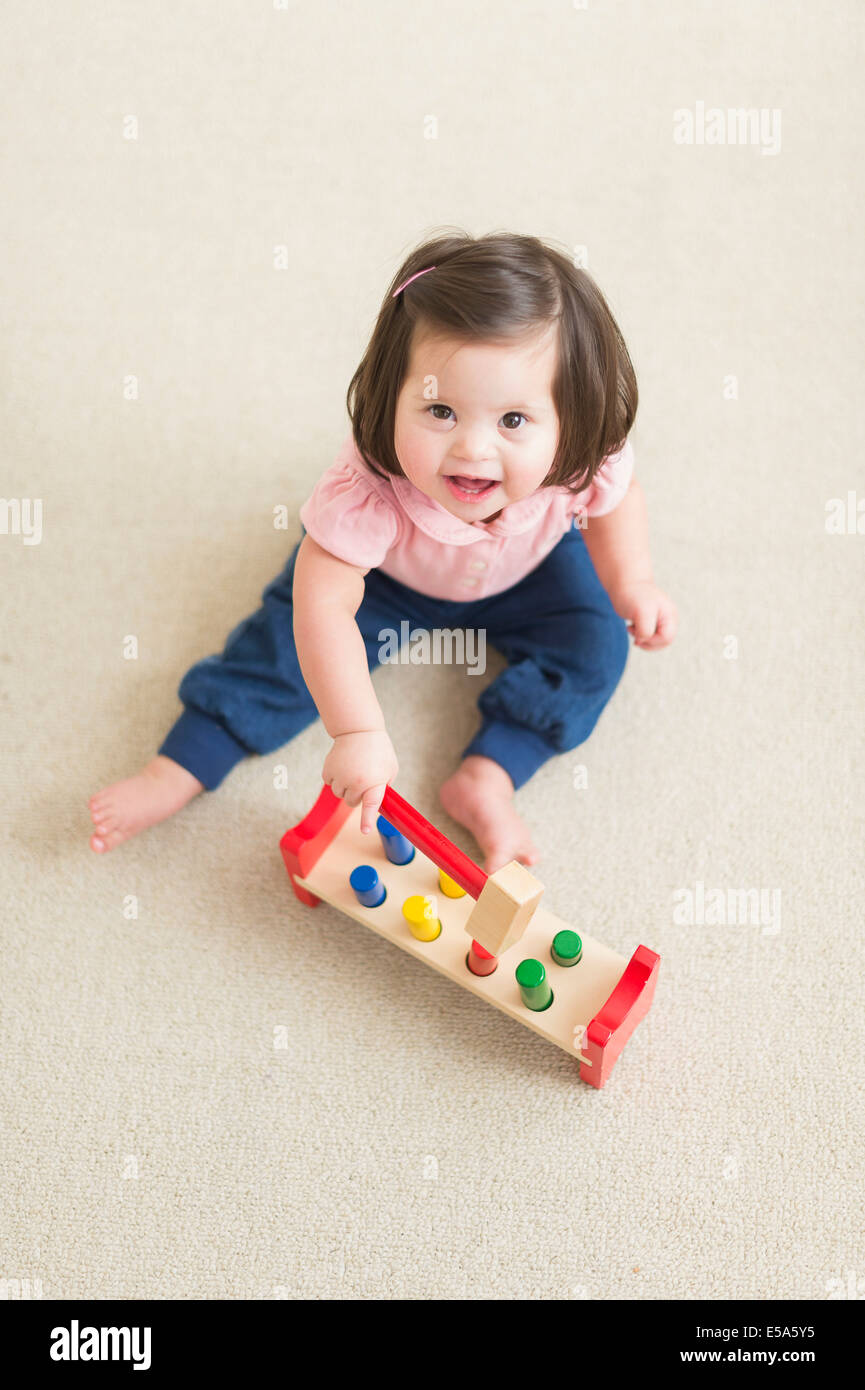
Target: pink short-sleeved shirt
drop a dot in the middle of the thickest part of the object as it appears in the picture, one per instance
(390, 525)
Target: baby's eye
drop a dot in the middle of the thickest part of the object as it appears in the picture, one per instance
(438, 406)
(513, 415)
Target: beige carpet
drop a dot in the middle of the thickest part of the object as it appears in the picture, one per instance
(409, 1141)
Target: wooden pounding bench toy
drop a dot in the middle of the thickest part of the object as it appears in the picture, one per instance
(486, 932)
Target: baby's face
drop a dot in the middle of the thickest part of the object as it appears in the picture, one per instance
(475, 426)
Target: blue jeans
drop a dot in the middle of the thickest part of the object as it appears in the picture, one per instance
(565, 646)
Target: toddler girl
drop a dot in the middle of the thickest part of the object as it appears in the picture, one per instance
(487, 483)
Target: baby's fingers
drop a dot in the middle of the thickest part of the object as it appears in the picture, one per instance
(668, 624)
(643, 620)
(369, 807)
(664, 633)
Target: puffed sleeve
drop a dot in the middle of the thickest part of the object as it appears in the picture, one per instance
(609, 484)
(349, 516)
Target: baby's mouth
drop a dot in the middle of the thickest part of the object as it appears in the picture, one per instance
(468, 489)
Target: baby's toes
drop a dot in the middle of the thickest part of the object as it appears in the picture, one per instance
(101, 843)
(497, 857)
(104, 819)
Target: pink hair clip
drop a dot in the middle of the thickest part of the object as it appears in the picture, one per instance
(409, 280)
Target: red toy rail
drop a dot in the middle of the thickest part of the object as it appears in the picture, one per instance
(302, 845)
(431, 842)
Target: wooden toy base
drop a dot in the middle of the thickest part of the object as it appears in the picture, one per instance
(596, 1003)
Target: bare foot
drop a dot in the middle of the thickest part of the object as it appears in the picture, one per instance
(480, 796)
(158, 791)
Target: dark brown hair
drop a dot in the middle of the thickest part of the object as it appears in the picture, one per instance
(494, 288)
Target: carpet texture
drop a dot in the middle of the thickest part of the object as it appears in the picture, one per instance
(209, 1091)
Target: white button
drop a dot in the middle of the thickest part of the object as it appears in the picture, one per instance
(468, 580)
(479, 564)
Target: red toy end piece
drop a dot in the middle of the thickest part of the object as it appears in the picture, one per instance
(304, 843)
(611, 1027)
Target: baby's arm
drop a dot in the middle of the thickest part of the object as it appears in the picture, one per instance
(332, 656)
(618, 542)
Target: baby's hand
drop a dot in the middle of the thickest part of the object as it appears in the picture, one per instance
(358, 768)
(649, 613)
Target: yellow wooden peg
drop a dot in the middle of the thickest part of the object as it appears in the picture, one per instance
(421, 913)
(448, 887)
